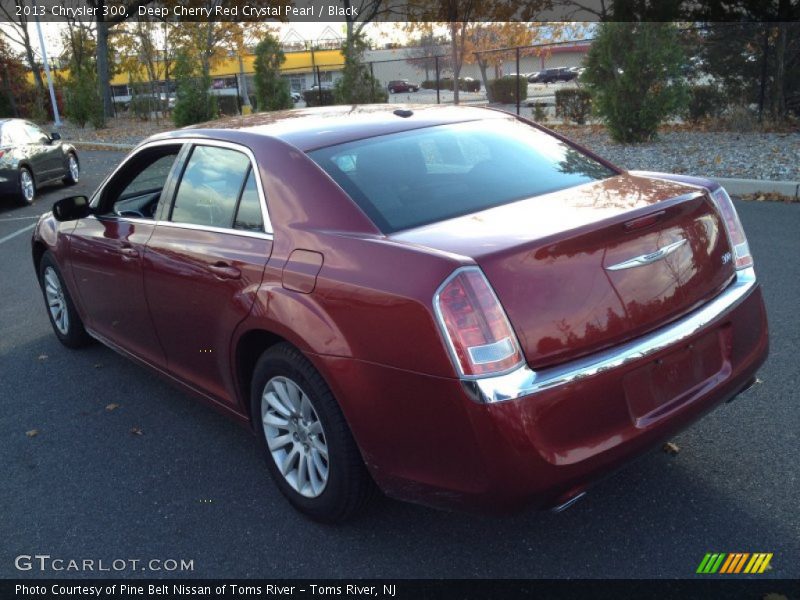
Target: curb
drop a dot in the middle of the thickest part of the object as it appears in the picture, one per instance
(101, 145)
(740, 187)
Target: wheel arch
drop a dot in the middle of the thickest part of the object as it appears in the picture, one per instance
(248, 349)
(38, 250)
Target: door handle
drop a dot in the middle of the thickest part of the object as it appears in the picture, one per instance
(225, 271)
(129, 251)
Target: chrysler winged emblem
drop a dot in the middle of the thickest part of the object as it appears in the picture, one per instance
(646, 259)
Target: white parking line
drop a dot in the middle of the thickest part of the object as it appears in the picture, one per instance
(16, 233)
(19, 218)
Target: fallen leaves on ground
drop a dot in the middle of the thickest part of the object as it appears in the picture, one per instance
(112, 406)
(42, 357)
(136, 431)
(671, 448)
(769, 197)
(32, 433)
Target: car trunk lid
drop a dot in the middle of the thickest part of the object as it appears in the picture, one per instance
(586, 268)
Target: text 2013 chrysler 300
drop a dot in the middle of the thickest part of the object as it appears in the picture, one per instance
(451, 303)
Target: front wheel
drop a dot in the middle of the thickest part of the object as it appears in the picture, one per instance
(73, 170)
(67, 325)
(27, 186)
(309, 449)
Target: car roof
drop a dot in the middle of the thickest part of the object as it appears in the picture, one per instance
(312, 128)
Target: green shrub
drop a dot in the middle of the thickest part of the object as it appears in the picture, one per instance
(358, 85)
(573, 104)
(322, 97)
(143, 105)
(504, 90)
(83, 102)
(705, 101)
(272, 91)
(539, 111)
(634, 73)
(193, 101)
(229, 105)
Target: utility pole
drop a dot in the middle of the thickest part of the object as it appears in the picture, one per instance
(246, 107)
(56, 116)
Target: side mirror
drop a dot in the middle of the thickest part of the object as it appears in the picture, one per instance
(55, 136)
(71, 209)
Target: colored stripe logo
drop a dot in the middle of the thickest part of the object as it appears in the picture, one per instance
(733, 563)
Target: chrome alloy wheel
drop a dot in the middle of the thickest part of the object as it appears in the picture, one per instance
(74, 171)
(26, 182)
(295, 437)
(56, 302)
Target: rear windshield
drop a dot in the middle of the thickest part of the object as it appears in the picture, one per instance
(418, 177)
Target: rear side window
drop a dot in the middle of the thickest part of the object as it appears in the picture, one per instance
(248, 215)
(210, 187)
(427, 175)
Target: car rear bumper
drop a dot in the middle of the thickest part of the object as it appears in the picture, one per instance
(426, 439)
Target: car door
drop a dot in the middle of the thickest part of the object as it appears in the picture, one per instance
(204, 263)
(107, 248)
(49, 157)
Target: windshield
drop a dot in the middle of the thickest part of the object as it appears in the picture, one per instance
(418, 177)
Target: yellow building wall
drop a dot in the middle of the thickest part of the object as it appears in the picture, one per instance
(296, 62)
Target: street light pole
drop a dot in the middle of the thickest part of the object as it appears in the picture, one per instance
(56, 117)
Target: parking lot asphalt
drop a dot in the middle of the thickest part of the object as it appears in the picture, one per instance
(192, 486)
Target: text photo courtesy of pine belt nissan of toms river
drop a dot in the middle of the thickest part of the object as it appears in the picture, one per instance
(453, 305)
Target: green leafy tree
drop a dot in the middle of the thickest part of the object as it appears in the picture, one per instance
(83, 103)
(272, 91)
(193, 101)
(357, 85)
(634, 74)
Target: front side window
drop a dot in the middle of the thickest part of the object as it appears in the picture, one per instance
(135, 191)
(210, 188)
(418, 177)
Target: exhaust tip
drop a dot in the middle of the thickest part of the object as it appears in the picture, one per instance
(564, 506)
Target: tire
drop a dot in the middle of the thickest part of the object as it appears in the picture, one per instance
(392, 91)
(67, 325)
(332, 490)
(27, 187)
(73, 170)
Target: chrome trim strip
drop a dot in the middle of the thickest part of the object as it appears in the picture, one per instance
(525, 382)
(209, 228)
(179, 141)
(646, 259)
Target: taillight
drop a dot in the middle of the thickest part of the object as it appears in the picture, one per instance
(741, 250)
(1, 153)
(475, 325)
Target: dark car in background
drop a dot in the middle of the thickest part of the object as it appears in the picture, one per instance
(553, 75)
(452, 303)
(30, 158)
(402, 85)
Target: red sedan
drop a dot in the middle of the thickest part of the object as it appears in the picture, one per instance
(454, 304)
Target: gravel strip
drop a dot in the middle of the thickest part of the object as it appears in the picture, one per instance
(771, 156)
(755, 155)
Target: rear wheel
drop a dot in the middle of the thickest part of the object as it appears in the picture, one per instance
(27, 186)
(309, 449)
(67, 325)
(73, 170)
